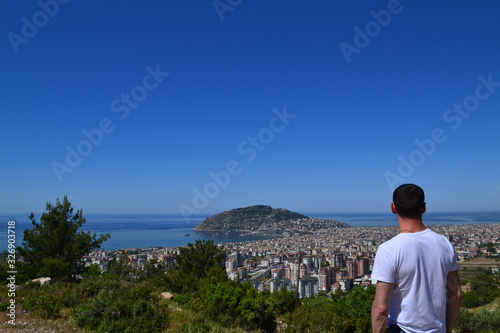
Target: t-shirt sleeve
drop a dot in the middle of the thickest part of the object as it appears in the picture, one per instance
(384, 266)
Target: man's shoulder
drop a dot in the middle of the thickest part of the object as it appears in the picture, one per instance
(405, 240)
(432, 233)
(394, 241)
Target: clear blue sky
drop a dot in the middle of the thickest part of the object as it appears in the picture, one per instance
(313, 106)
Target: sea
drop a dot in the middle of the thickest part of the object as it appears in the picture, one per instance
(163, 230)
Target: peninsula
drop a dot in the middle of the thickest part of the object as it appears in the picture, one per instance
(263, 219)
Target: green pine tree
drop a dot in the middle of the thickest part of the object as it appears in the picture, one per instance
(55, 245)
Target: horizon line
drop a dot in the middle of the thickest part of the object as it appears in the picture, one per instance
(309, 214)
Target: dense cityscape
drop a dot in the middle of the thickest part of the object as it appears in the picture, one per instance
(324, 261)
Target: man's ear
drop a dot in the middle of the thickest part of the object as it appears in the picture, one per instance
(424, 208)
(393, 208)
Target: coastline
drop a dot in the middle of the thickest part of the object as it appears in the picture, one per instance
(150, 230)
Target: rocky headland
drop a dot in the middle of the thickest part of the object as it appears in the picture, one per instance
(263, 219)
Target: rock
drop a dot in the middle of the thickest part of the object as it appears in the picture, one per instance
(166, 295)
(42, 280)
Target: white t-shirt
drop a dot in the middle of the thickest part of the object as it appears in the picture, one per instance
(417, 264)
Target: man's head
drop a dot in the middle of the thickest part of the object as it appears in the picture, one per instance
(408, 201)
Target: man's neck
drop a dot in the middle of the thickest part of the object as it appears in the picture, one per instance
(410, 225)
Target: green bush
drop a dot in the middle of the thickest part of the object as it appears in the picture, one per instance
(3, 306)
(103, 305)
(482, 322)
(342, 313)
(48, 300)
(313, 315)
(484, 289)
(236, 305)
(283, 301)
(123, 308)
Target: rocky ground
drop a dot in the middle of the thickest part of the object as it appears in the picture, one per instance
(29, 324)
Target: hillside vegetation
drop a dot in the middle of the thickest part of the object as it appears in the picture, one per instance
(205, 300)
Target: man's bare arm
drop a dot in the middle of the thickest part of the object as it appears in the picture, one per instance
(380, 306)
(453, 299)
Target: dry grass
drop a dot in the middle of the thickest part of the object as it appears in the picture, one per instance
(30, 324)
(492, 307)
(180, 320)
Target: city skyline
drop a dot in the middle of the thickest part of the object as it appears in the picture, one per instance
(196, 108)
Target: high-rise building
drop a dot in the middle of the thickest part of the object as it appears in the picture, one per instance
(243, 273)
(303, 270)
(237, 257)
(308, 287)
(363, 266)
(341, 275)
(346, 284)
(352, 268)
(231, 265)
(249, 264)
(292, 271)
(288, 272)
(278, 273)
(338, 260)
(308, 261)
(325, 279)
(259, 285)
(277, 284)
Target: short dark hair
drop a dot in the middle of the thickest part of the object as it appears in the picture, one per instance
(409, 200)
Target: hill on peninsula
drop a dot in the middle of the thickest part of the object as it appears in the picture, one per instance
(263, 219)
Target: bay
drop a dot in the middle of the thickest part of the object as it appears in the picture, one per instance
(148, 230)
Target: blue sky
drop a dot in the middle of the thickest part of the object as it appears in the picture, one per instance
(188, 107)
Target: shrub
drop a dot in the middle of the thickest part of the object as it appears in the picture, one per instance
(342, 313)
(484, 289)
(45, 301)
(482, 322)
(124, 308)
(3, 306)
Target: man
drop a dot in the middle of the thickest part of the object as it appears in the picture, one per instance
(418, 289)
